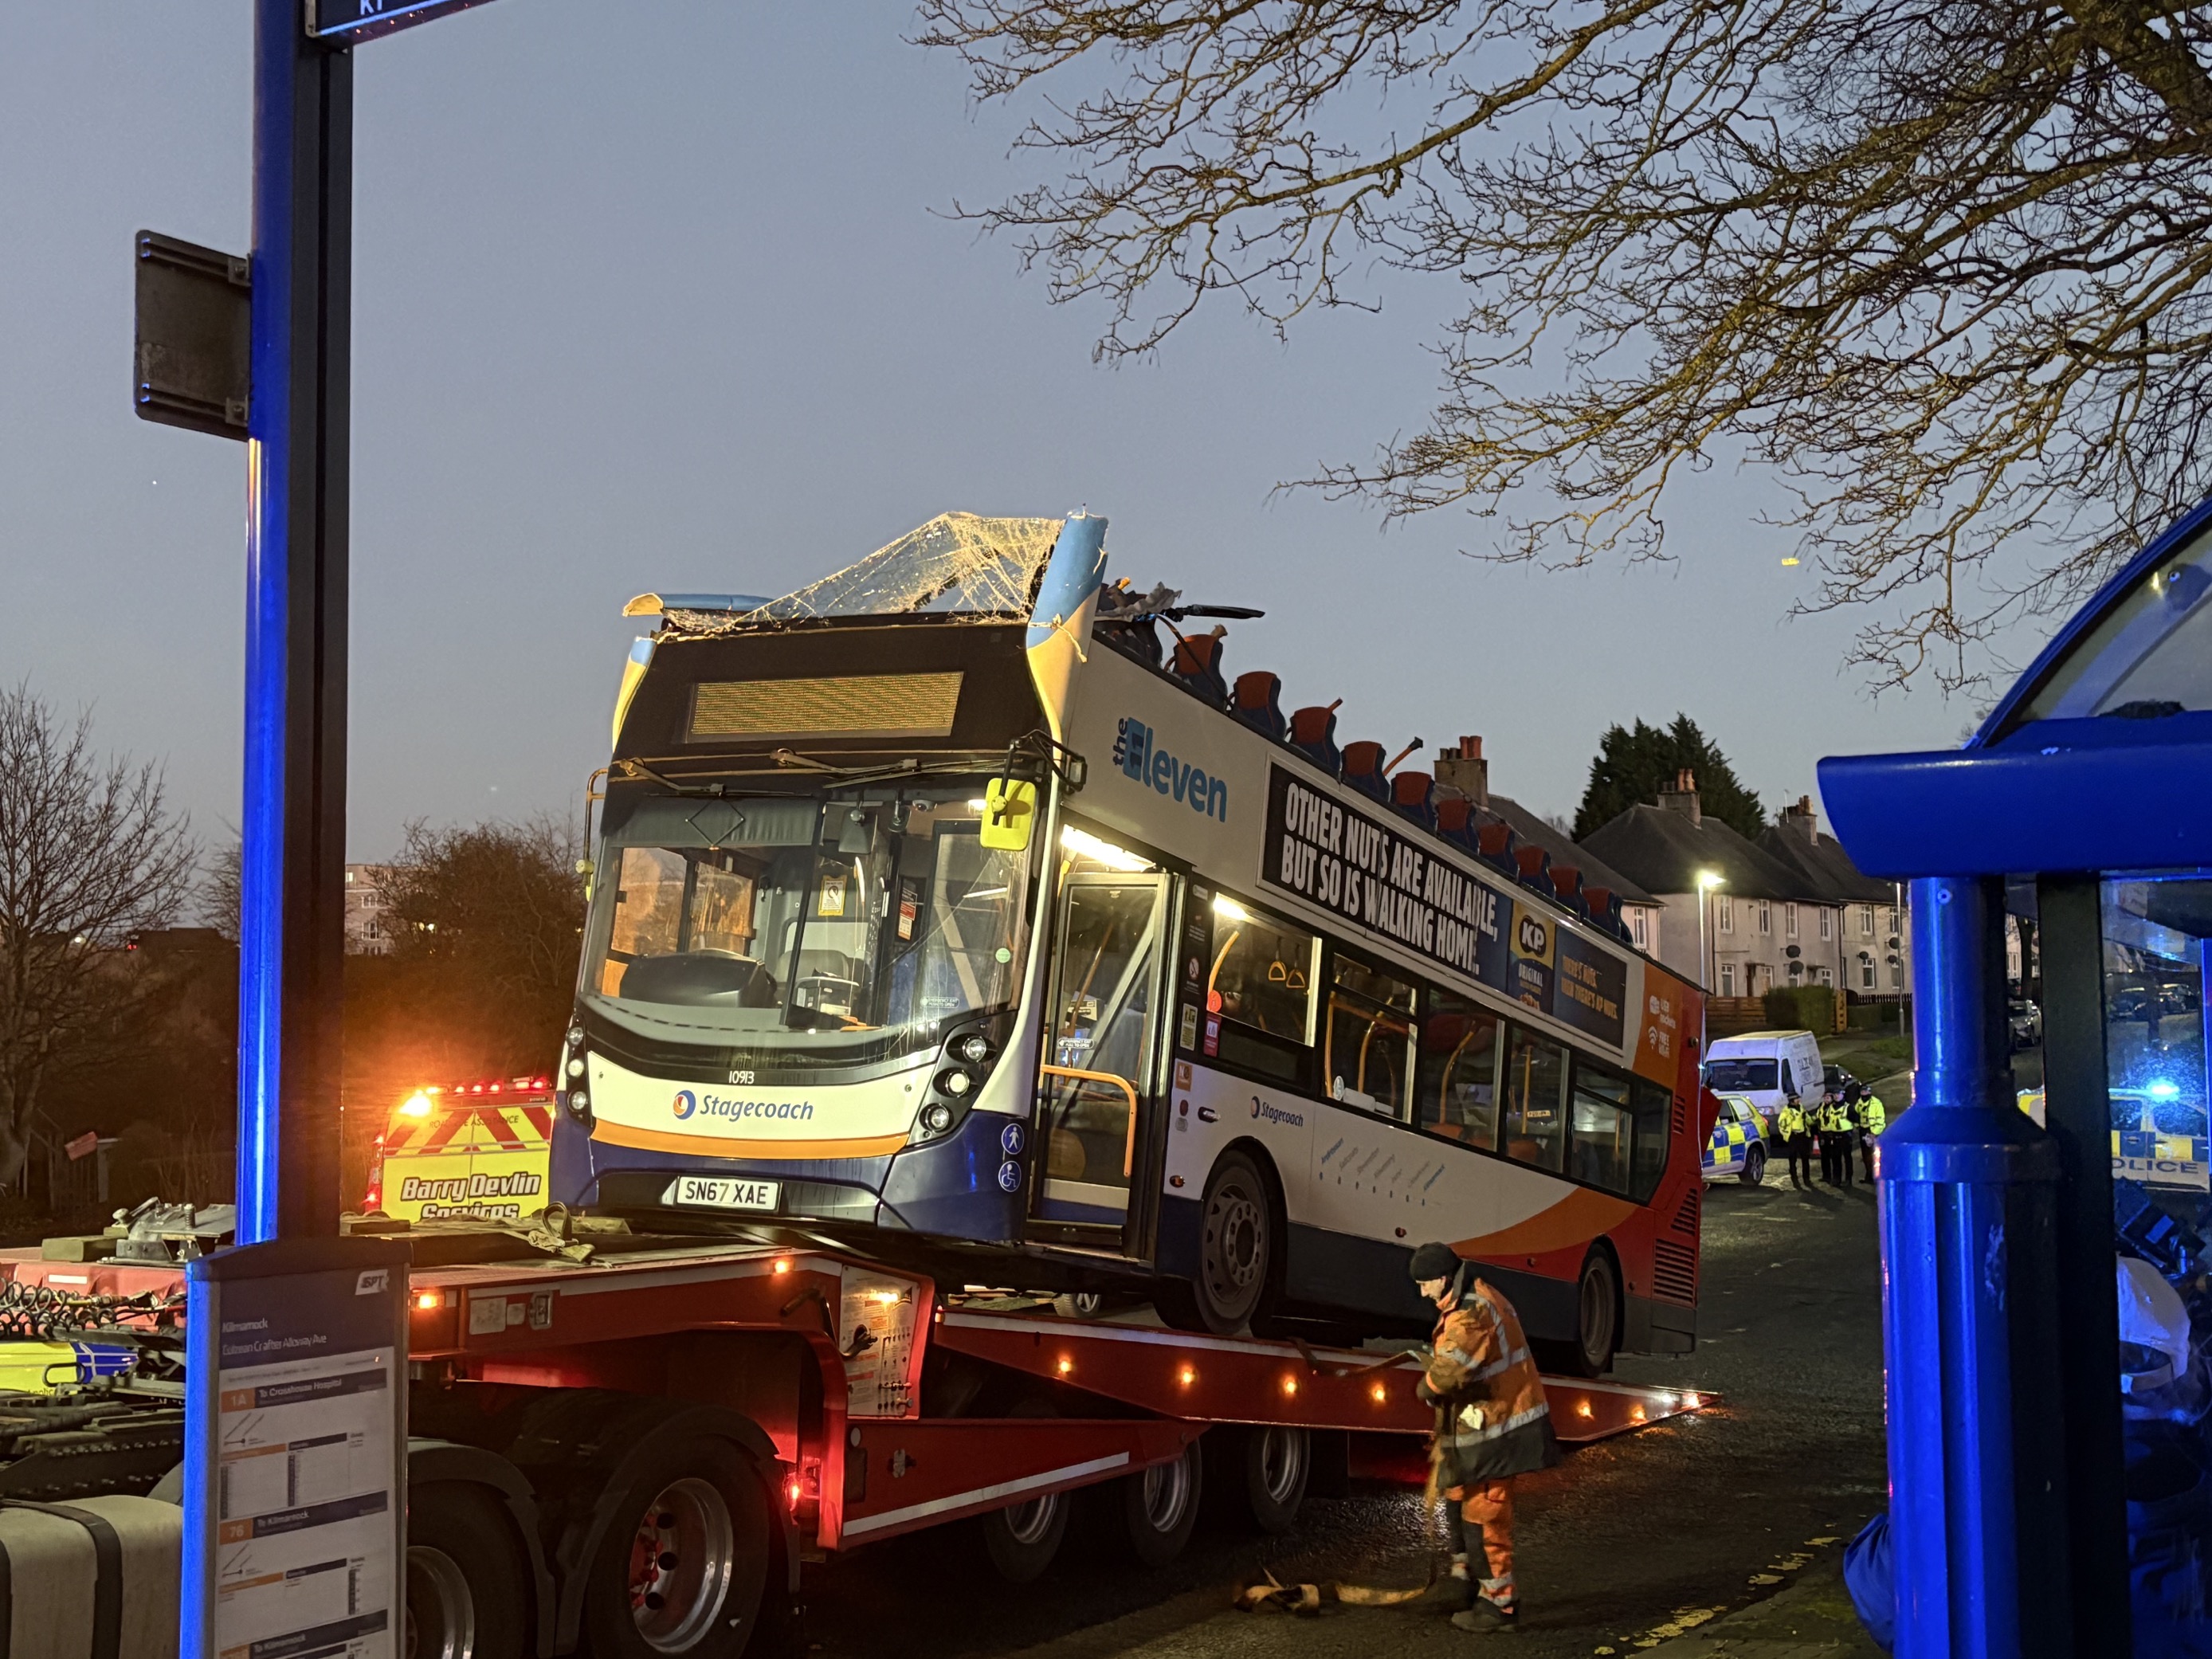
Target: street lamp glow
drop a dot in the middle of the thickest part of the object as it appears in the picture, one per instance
(1709, 880)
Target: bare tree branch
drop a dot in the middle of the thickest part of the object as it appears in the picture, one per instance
(1939, 265)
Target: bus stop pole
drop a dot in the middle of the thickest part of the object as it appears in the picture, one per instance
(292, 850)
(1966, 1188)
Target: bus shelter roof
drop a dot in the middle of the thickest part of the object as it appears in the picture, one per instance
(2099, 758)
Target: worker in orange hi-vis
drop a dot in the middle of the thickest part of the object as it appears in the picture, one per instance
(1492, 1422)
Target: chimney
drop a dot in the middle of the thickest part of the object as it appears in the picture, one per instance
(1803, 819)
(1463, 769)
(1683, 797)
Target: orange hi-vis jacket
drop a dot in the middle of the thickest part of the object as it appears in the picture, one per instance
(1493, 1420)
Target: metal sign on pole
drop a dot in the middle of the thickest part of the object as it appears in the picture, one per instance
(298, 1337)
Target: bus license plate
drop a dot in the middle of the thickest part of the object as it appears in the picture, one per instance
(721, 1193)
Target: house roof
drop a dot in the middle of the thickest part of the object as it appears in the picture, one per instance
(1662, 851)
(1826, 868)
(1597, 871)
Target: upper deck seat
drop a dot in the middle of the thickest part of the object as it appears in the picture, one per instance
(1605, 909)
(1254, 700)
(1313, 735)
(1140, 639)
(1567, 887)
(1412, 795)
(1532, 864)
(1495, 840)
(1455, 821)
(1197, 664)
(1363, 769)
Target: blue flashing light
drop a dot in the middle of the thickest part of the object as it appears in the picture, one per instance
(2163, 1090)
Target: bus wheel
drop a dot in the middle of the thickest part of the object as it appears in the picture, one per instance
(1022, 1538)
(1754, 1166)
(1597, 1316)
(1160, 1507)
(1236, 1245)
(468, 1591)
(1276, 1461)
(681, 1568)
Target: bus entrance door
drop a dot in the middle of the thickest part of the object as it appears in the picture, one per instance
(1094, 1092)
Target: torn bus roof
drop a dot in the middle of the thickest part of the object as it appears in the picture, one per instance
(958, 564)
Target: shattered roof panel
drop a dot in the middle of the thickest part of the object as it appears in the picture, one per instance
(958, 564)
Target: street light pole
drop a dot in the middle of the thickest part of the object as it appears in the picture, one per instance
(1707, 880)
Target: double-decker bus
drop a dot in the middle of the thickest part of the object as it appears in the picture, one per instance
(937, 901)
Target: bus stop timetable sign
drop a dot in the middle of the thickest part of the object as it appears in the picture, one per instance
(344, 20)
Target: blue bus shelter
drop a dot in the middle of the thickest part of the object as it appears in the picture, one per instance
(2046, 1310)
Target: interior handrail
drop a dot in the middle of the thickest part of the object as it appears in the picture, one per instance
(1129, 1150)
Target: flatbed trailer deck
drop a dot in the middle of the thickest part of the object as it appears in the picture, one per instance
(796, 1402)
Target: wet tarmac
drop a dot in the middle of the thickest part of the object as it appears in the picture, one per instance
(1629, 1542)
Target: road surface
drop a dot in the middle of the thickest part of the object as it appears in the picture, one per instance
(1640, 1537)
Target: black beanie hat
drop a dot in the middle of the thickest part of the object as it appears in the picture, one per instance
(1433, 1261)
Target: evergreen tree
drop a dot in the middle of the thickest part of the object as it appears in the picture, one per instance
(1632, 766)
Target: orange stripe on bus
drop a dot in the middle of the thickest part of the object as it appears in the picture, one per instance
(1579, 1217)
(663, 1140)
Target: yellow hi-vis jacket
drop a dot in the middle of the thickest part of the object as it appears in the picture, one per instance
(1873, 1115)
(1835, 1118)
(1790, 1122)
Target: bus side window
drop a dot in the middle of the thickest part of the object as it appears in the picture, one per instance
(1262, 986)
(1535, 1101)
(1654, 1107)
(1368, 1048)
(1603, 1127)
(1455, 1083)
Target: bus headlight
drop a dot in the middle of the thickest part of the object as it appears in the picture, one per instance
(937, 1119)
(579, 1105)
(955, 1083)
(974, 1048)
(576, 1066)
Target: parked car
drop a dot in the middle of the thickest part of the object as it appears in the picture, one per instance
(1767, 1067)
(2026, 1020)
(1835, 1079)
(1738, 1144)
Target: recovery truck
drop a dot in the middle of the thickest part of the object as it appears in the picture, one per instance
(627, 1444)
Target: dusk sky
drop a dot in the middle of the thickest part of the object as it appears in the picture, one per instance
(664, 296)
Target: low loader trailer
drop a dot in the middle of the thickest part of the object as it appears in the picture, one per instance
(629, 1445)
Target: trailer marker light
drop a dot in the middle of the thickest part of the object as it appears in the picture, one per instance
(1290, 1385)
(1583, 1409)
(1187, 1377)
(1691, 1401)
(1380, 1393)
(1065, 1366)
(1636, 1413)
(791, 1492)
(426, 1300)
(781, 1266)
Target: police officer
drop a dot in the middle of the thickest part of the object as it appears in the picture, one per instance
(1836, 1137)
(1795, 1130)
(1492, 1421)
(1874, 1118)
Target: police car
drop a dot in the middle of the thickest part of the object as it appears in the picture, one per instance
(2159, 1139)
(1737, 1145)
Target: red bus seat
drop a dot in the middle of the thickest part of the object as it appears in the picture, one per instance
(1313, 735)
(1198, 665)
(1363, 769)
(1413, 796)
(1255, 702)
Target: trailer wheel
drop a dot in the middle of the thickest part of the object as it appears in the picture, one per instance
(1159, 1507)
(1274, 1463)
(468, 1594)
(1597, 1316)
(681, 1567)
(1023, 1538)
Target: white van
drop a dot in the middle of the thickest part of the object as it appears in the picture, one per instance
(1768, 1067)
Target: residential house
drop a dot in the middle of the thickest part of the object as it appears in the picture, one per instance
(1789, 908)
(367, 925)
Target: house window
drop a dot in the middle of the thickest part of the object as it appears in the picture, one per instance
(1728, 912)
(1789, 920)
(1866, 921)
(1866, 972)
(1639, 927)
(1765, 917)
(1728, 979)
(1828, 977)
(1827, 922)
(1892, 919)
(1896, 975)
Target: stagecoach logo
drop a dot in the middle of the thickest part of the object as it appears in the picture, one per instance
(705, 1102)
(1276, 1115)
(1137, 753)
(686, 1103)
